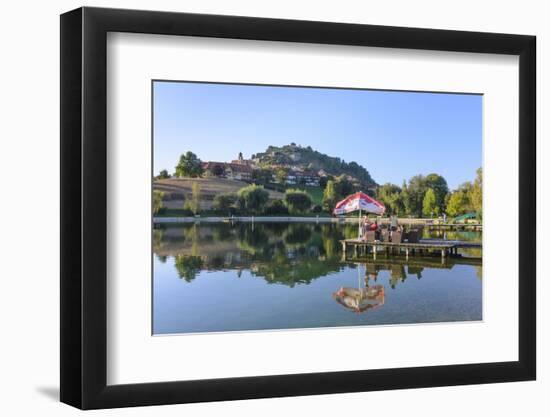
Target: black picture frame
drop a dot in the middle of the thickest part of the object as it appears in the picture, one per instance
(84, 207)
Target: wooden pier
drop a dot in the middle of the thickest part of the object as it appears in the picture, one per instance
(455, 226)
(424, 246)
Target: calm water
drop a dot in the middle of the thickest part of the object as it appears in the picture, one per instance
(222, 277)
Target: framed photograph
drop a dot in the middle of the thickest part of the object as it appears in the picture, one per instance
(256, 208)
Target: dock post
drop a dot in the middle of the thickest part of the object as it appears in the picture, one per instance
(374, 251)
(407, 253)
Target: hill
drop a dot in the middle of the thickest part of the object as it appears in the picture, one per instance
(306, 158)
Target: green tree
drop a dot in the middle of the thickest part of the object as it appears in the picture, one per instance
(157, 201)
(440, 188)
(276, 207)
(297, 201)
(406, 199)
(429, 205)
(390, 195)
(329, 196)
(225, 202)
(458, 203)
(163, 174)
(281, 174)
(252, 198)
(217, 170)
(476, 193)
(343, 187)
(262, 175)
(189, 166)
(194, 204)
(416, 189)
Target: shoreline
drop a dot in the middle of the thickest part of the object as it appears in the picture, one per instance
(253, 219)
(310, 219)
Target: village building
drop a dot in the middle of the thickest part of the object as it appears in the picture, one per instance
(214, 169)
(241, 161)
(239, 172)
(303, 177)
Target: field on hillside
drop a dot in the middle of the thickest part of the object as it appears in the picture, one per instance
(178, 189)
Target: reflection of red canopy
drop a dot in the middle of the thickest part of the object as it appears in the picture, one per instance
(360, 300)
(359, 201)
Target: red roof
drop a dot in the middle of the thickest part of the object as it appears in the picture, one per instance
(239, 168)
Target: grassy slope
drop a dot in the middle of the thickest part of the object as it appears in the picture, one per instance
(176, 188)
(316, 193)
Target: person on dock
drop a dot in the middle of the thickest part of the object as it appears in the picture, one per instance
(392, 226)
(376, 229)
(365, 226)
(393, 223)
(374, 226)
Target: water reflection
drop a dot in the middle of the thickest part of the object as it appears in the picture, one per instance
(281, 253)
(362, 298)
(309, 284)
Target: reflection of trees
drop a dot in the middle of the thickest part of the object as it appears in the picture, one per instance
(350, 231)
(252, 239)
(396, 270)
(188, 266)
(479, 272)
(288, 272)
(192, 234)
(157, 238)
(281, 253)
(415, 270)
(466, 235)
(397, 273)
(217, 262)
(275, 229)
(331, 237)
(297, 234)
(224, 232)
(294, 260)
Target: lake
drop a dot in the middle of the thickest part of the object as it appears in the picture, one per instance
(222, 277)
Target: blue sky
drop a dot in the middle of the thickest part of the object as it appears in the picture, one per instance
(394, 135)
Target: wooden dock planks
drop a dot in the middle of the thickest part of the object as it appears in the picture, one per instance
(444, 247)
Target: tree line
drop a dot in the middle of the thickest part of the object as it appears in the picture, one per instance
(430, 196)
(254, 199)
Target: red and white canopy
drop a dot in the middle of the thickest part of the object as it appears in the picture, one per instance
(359, 201)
